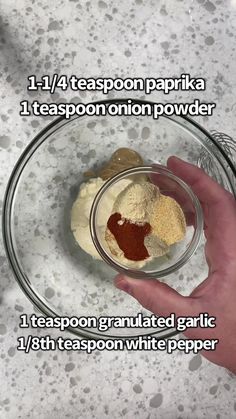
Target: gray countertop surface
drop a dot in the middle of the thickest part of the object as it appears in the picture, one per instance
(116, 39)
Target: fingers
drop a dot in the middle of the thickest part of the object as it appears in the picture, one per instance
(156, 296)
(207, 190)
(219, 209)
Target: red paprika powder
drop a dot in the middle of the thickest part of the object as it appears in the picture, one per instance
(129, 236)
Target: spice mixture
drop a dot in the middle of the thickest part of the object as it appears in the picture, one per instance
(140, 205)
(137, 221)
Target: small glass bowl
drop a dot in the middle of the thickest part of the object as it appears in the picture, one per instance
(169, 185)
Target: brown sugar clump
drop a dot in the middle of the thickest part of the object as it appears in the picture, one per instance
(121, 159)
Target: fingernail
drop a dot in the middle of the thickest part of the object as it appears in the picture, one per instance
(175, 158)
(123, 285)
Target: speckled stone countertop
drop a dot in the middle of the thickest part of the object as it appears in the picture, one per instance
(100, 38)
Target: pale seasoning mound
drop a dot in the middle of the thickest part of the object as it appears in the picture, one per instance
(136, 201)
(167, 220)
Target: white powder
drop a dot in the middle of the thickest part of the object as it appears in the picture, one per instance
(155, 246)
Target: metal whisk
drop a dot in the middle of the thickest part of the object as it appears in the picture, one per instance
(228, 145)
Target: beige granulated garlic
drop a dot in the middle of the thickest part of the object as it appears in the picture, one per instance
(168, 220)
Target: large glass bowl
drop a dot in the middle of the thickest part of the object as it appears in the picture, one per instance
(56, 275)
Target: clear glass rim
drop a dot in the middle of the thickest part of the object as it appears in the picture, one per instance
(155, 169)
(31, 148)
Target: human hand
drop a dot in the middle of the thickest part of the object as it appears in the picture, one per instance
(216, 295)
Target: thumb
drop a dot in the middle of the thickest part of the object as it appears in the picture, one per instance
(156, 296)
